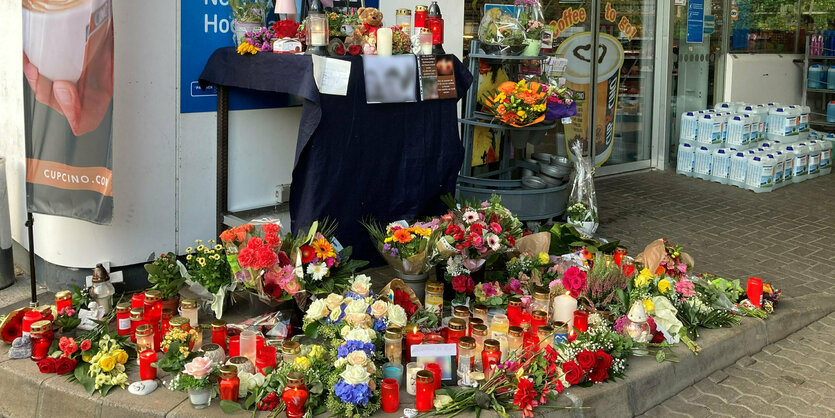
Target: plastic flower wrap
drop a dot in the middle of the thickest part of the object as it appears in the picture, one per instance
(501, 33)
(407, 248)
(582, 203)
(518, 104)
(104, 364)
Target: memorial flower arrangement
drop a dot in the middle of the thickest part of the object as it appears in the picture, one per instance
(490, 294)
(285, 28)
(166, 275)
(209, 273)
(258, 40)
(561, 103)
(401, 42)
(177, 344)
(322, 265)
(525, 267)
(249, 11)
(518, 104)
(104, 361)
(355, 381)
(63, 360)
(407, 248)
(199, 373)
(595, 356)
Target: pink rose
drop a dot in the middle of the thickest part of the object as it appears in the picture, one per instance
(199, 368)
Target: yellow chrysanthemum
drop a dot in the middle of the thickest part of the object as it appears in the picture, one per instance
(218, 247)
(543, 258)
(644, 278)
(107, 363)
(301, 363)
(189, 257)
(316, 352)
(664, 286)
(649, 306)
(189, 249)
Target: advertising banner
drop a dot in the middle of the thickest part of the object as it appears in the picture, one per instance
(68, 100)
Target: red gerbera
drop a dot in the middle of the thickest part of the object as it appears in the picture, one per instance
(12, 329)
(307, 253)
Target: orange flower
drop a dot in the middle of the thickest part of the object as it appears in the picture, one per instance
(660, 270)
(501, 109)
(227, 235)
(402, 236)
(508, 87)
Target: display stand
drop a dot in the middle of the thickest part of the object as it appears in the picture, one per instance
(817, 116)
(527, 204)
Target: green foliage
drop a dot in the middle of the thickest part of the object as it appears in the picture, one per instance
(164, 273)
(564, 239)
(184, 381)
(174, 361)
(80, 298)
(249, 11)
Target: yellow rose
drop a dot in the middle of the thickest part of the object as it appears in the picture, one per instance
(107, 363)
(121, 356)
(664, 285)
(543, 258)
(334, 301)
(301, 363)
(316, 351)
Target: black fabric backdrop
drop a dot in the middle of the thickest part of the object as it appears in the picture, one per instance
(355, 160)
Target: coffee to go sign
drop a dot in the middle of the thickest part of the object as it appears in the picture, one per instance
(571, 17)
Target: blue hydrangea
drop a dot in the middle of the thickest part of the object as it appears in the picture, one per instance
(354, 394)
(354, 345)
(379, 325)
(351, 295)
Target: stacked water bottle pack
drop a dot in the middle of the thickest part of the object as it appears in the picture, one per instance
(754, 147)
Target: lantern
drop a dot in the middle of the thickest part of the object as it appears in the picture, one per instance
(435, 23)
(317, 30)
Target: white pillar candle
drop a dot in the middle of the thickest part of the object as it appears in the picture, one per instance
(564, 307)
(384, 41)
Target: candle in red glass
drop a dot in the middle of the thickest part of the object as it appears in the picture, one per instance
(259, 342)
(433, 338)
(581, 321)
(229, 383)
(219, 334)
(538, 319)
(413, 338)
(146, 371)
(167, 314)
(437, 375)
(755, 291)
(420, 16)
(46, 313)
(514, 311)
(619, 253)
(490, 356)
(137, 300)
(123, 318)
(435, 23)
(295, 395)
(41, 337)
(30, 318)
(63, 301)
(474, 321)
(235, 346)
(390, 395)
(265, 358)
(153, 306)
(457, 328)
(424, 391)
(137, 318)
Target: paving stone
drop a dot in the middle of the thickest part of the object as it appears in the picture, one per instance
(21, 378)
(60, 397)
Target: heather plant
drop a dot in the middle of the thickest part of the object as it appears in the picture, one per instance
(604, 280)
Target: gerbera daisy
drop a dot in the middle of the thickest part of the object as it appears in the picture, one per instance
(402, 236)
(323, 249)
(470, 216)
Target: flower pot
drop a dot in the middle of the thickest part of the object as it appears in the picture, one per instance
(200, 398)
(173, 304)
(532, 48)
(416, 282)
(241, 28)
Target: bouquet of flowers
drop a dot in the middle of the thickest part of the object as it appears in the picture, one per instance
(322, 265)
(582, 203)
(355, 381)
(525, 268)
(249, 11)
(104, 362)
(597, 355)
(501, 34)
(287, 28)
(518, 104)
(473, 233)
(401, 42)
(561, 103)
(254, 253)
(258, 40)
(490, 294)
(407, 248)
(177, 345)
(200, 373)
(209, 273)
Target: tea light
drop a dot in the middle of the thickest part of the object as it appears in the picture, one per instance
(394, 345)
(564, 307)
(413, 338)
(411, 377)
(393, 371)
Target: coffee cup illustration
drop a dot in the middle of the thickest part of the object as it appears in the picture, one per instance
(55, 36)
(577, 49)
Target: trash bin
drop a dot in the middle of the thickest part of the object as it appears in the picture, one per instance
(6, 259)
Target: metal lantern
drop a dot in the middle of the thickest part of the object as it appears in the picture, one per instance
(435, 23)
(317, 27)
(102, 290)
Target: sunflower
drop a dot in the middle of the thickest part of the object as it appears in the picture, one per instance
(402, 236)
(323, 249)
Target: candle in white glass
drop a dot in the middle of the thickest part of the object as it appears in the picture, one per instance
(564, 307)
(384, 41)
(411, 377)
(247, 345)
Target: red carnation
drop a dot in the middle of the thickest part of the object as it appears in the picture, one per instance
(246, 258)
(85, 345)
(266, 257)
(64, 365)
(354, 50)
(285, 28)
(307, 253)
(272, 228)
(283, 259)
(47, 365)
(272, 239)
(573, 372)
(587, 360)
(511, 241)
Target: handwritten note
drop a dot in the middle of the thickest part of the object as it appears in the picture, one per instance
(331, 75)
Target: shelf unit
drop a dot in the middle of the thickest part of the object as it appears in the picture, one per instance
(527, 204)
(817, 117)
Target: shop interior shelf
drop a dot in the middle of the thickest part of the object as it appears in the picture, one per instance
(822, 123)
(812, 58)
(483, 55)
(527, 204)
(821, 90)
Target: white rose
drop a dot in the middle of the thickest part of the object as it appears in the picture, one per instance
(340, 362)
(344, 331)
(357, 358)
(318, 310)
(361, 285)
(379, 309)
(360, 334)
(335, 314)
(355, 375)
(333, 301)
(397, 316)
(356, 306)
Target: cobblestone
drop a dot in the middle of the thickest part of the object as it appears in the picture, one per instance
(737, 234)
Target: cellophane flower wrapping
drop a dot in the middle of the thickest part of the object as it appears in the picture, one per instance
(501, 31)
(582, 203)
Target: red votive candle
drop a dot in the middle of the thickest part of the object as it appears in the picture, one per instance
(137, 318)
(146, 371)
(219, 334)
(424, 391)
(63, 301)
(581, 321)
(490, 356)
(514, 311)
(30, 318)
(538, 319)
(457, 328)
(137, 300)
(123, 318)
(435, 368)
(755, 291)
(619, 253)
(229, 383)
(265, 358)
(234, 346)
(413, 338)
(390, 396)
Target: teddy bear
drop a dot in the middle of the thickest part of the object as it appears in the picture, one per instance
(364, 34)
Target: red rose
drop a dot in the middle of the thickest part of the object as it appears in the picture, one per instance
(283, 259)
(285, 28)
(462, 284)
(272, 228)
(658, 338)
(64, 365)
(586, 359)
(265, 257)
(340, 49)
(246, 258)
(599, 374)
(511, 240)
(272, 239)
(573, 372)
(85, 345)
(47, 365)
(354, 49)
(603, 360)
(307, 253)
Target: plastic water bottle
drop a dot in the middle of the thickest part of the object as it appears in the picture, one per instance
(710, 129)
(830, 79)
(788, 165)
(702, 161)
(830, 112)
(777, 159)
(826, 157)
(803, 126)
(738, 168)
(689, 125)
(782, 122)
(758, 116)
(814, 159)
(684, 164)
(726, 106)
(736, 131)
(720, 166)
(800, 163)
(816, 78)
(760, 175)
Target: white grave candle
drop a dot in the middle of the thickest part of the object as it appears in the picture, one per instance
(384, 41)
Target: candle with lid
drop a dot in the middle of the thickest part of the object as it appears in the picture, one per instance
(394, 345)
(433, 338)
(188, 309)
(541, 300)
(41, 336)
(137, 318)
(499, 325)
(457, 328)
(581, 321)
(425, 391)
(466, 351)
(490, 356)
(425, 41)
(413, 338)
(229, 383)
(295, 395)
(473, 321)
(219, 334)
(420, 16)
(620, 252)
(145, 338)
(290, 350)
(123, 318)
(515, 338)
(480, 311)
(437, 374)
(390, 395)
(461, 312)
(29, 318)
(181, 323)
(137, 300)
(434, 299)
(480, 333)
(404, 19)
(538, 319)
(546, 334)
(63, 301)
(514, 311)
(153, 306)
(167, 314)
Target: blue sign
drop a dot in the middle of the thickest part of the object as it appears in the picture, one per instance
(206, 25)
(710, 24)
(695, 21)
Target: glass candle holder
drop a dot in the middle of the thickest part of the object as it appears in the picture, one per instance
(560, 331)
(234, 345)
(137, 300)
(390, 395)
(242, 363)
(538, 319)
(437, 374)
(63, 301)
(490, 356)
(40, 336)
(434, 299)
(248, 348)
(153, 306)
(214, 352)
(541, 301)
(188, 309)
(515, 338)
(167, 314)
(420, 16)
(502, 339)
(433, 338)
(480, 333)
(546, 336)
(581, 321)
(461, 312)
(473, 322)
(145, 337)
(29, 318)
(424, 391)
(620, 252)
(146, 370)
(481, 312)
(425, 41)
(404, 19)
(514, 311)
(627, 266)
(477, 378)
(394, 345)
(295, 395)
(123, 318)
(754, 291)
(219, 334)
(394, 371)
(457, 328)
(289, 351)
(266, 357)
(466, 351)
(182, 323)
(499, 325)
(413, 338)
(137, 318)
(411, 377)
(229, 383)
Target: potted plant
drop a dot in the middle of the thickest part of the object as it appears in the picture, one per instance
(247, 15)
(165, 273)
(198, 380)
(208, 267)
(529, 13)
